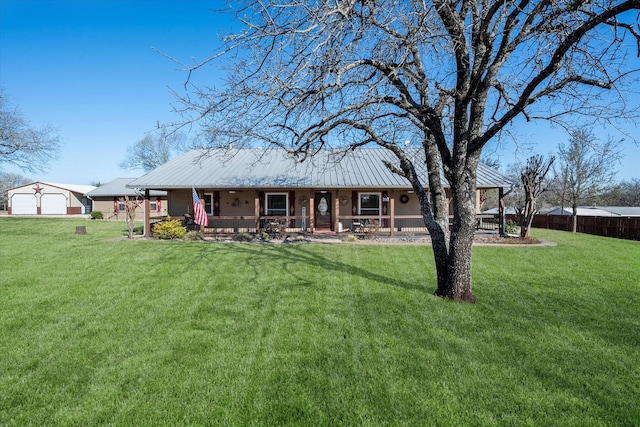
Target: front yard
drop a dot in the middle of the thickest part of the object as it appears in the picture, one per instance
(97, 330)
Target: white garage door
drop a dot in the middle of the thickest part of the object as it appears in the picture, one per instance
(53, 204)
(23, 204)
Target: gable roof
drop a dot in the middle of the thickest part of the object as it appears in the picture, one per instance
(118, 188)
(74, 188)
(273, 168)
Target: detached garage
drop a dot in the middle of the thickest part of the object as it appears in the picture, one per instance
(42, 198)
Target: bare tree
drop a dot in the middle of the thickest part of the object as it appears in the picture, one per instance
(130, 205)
(585, 168)
(8, 181)
(532, 178)
(153, 150)
(448, 75)
(626, 193)
(629, 193)
(22, 145)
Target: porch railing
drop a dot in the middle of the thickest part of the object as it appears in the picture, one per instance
(378, 224)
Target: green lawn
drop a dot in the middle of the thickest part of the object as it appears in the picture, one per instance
(96, 330)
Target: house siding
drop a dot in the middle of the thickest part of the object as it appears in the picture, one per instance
(108, 207)
(236, 209)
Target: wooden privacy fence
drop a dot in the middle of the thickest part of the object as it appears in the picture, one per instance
(622, 227)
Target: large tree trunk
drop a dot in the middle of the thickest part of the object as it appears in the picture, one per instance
(451, 248)
(458, 284)
(458, 275)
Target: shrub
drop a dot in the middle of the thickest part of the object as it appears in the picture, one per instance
(511, 227)
(350, 238)
(274, 230)
(244, 237)
(170, 229)
(96, 215)
(193, 236)
(296, 239)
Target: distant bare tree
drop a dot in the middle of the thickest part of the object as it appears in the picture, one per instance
(626, 193)
(8, 181)
(22, 145)
(153, 151)
(586, 168)
(629, 193)
(449, 75)
(532, 177)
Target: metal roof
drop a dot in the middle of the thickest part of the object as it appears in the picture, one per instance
(74, 188)
(623, 210)
(614, 211)
(117, 188)
(273, 168)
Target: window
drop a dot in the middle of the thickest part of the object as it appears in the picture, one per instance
(208, 203)
(276, 204)
(369, 204)
(121, 207)
(153, 205)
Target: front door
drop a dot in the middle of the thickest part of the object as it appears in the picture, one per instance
(322, 211)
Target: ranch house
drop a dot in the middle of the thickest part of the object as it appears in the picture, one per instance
(244, 190)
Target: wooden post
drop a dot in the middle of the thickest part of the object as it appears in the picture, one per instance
(392, 213)
(312, 219)
(256, 210)
(336, 212)
(147, 214)
(501, 224)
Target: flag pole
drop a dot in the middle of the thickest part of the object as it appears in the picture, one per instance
(199, 211)
(202, 204)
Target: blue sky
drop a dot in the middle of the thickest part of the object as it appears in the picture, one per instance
(88, 69)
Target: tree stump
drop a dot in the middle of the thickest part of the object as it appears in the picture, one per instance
(81, 229)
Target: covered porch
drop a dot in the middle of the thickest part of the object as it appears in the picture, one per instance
(249, 190)
(362, 213)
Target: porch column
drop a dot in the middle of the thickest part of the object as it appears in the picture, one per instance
(147, 214)
(392, 212)
(336, 212)
(312, 207)
(501, 212)
(256, 209)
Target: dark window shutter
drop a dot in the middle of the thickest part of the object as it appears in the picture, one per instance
(354, 203)
(292, 208)
(216, 203)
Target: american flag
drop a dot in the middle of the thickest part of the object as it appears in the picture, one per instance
(199, 213)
